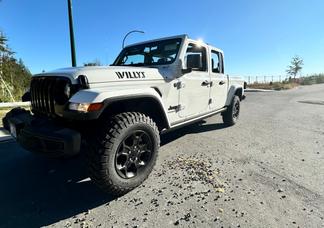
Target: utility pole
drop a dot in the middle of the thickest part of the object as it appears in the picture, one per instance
(71, 34)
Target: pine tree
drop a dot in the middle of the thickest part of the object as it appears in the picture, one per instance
(14, 75)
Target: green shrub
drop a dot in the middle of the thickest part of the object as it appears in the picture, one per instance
(313, 79)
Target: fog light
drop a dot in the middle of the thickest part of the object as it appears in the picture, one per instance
(85, 107)
(81, 107)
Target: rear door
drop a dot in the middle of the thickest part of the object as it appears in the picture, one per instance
(218, 92)
(195, 86)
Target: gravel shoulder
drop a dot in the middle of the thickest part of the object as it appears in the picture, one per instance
(266, 171)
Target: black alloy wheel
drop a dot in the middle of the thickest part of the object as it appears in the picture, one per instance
(133, 154)
(232, 113)
(236, 110)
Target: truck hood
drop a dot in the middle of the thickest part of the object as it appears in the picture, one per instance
(113, 74)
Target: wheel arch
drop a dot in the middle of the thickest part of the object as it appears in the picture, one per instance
(234, 91)
(146, 104)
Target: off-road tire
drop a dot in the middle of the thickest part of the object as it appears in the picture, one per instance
(105, 144)
(231, 115)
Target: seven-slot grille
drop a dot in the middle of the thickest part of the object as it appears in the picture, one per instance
(46, 92)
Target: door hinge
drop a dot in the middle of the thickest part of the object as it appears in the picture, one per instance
(179, 85)
(210, 101)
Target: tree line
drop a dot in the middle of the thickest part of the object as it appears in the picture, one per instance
(14, 75)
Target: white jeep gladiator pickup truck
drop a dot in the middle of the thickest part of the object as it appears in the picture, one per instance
(116, 113)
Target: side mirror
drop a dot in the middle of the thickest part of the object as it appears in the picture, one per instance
(193, 61)
(186, 71)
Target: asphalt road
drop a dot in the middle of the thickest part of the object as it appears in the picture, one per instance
(266, 171)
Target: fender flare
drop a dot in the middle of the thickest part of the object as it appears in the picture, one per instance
(108, 98)
(233, 90)
(156, 99)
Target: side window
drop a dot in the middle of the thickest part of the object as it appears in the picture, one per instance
(217, 62)
(193, 53)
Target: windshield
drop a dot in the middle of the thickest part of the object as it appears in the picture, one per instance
(149, 54)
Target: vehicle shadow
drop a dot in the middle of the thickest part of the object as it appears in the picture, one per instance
(36, 191)
(197, 127)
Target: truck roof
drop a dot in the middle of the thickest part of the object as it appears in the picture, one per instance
(182, 36)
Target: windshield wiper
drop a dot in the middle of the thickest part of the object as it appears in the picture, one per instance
(135, 64)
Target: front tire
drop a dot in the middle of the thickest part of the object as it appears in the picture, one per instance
(231, 115)
(124, 152)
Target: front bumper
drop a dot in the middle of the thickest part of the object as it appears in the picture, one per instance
(42, 135)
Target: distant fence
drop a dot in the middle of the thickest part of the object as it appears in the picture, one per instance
(264, 79)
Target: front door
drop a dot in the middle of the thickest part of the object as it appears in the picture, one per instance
(195, 86)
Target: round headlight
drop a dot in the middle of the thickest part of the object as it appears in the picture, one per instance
(62, 92)
(67, 90)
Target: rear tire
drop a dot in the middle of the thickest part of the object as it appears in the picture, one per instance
(123, 153)
(231, 115)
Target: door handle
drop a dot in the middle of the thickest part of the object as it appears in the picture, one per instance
(221, 82)
(205, 83)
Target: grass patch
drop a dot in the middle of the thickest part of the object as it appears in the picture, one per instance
(313, 79)
(274, 85)
(290, 83)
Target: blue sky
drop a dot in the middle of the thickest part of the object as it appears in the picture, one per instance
(258, 37)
